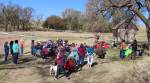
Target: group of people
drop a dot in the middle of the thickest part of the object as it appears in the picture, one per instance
(15, 48)
(130, 50)
(68, 57)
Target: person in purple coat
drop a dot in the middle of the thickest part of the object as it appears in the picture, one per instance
(60, 60)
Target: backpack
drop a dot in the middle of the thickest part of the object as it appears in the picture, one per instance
(70, 65)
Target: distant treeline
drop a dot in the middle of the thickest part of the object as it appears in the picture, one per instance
(14, 17)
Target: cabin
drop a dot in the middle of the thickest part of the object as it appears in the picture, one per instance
(125, 30)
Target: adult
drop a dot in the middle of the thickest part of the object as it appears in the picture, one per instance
(6, 51)
(60, 60)
(15, 51)
(134, 49)
(21, 43)
(11, 47)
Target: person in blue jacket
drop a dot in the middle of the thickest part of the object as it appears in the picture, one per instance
(90, 54)
(15, 52)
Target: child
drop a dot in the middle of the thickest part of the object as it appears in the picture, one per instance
(113, 45)
(6, 51)
(123, 45)
(128, 51)
(122, 49)
(32, 47)
(66, 48)
(45, 52)
(70, 66)
(90, 53)
(74, 53)
(38, 49)
(81, 53)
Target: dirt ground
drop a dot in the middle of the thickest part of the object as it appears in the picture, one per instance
(109, 70)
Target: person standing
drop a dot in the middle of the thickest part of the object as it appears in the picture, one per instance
(74, 53)
(81, 53)
(90, 54)
(11, 47)
(21, 47)
(123, 45)
(15, 52)
(134, 48)
(122, 49)
(60, 60)
(32, 47)
(6, 51)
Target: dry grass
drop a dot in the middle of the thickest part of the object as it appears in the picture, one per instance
(109, 70)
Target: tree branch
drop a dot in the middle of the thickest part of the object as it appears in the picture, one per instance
(147, 2)
(140, 15)
(136, 11)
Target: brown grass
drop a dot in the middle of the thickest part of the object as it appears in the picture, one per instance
(109, 70)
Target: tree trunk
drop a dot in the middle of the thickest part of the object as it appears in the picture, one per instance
(148, 34)
(23, 26)
(6, 27)
(17, 26)
(148, 37)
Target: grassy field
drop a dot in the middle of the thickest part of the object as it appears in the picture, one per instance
(109, 70)
(44, 36)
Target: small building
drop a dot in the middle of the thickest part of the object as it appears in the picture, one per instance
(125, 30)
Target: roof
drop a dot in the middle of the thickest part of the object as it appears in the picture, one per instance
(124, 25)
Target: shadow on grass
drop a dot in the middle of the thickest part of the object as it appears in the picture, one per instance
(5, 63)
(15, 66)
(25, 60)
(139, 58)
(115, 58)
(43, 71)
(12, 67)
(94, 64)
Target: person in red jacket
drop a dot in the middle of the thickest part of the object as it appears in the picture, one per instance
(81, 53)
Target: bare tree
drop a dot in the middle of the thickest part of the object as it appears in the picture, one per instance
(72, 18)
(38, 20)
(133, 7)
(97, 21)
(25, 17)
(14, 16)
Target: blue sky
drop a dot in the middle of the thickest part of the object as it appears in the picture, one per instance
(49, 7)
